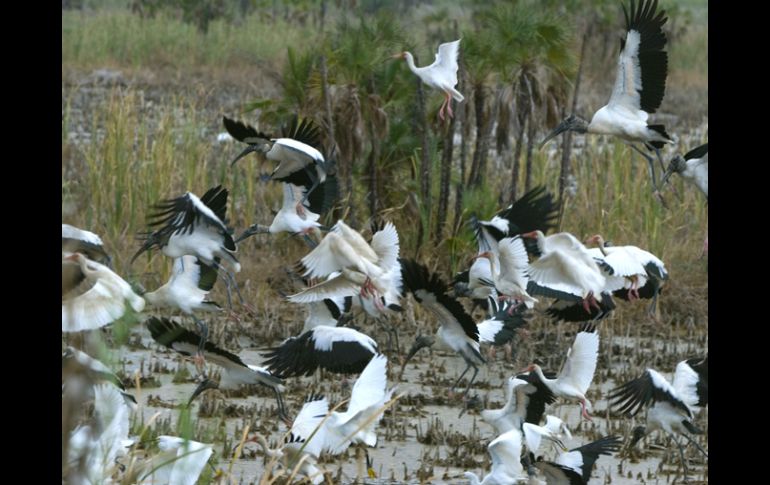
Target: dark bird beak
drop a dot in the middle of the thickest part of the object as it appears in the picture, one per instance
(148, 244)
(668, 173)
(419, 343)
(563, 126)
(254, 229)
(249, 149)
(203, 386)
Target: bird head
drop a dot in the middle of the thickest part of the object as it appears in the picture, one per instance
(571, 123)
(678, 165)
(150, 240)
(253, 229)
(638, 434)
(420, 342)
(400, 55)
(203, 386)
(596, 239)
(251, 148)
(485, 254)
(529, 368)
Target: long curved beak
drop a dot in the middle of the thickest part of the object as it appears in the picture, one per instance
(246, 151)
(667, 175)
(253, 229)
(563, 126)
(203, 386)
(415, 348)
(145, 247)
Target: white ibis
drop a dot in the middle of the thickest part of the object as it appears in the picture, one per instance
(577, 372)
(694, 168)
(303, 440)
(457, 330)
(94, 448)
(364, 268)
(235, 372)
(180, 461)
(619, 266)
(441, 75)
(512, 276)
(505, 451)
(326, 313)
(195, 227)
(525, 403)
(639, 87)
(299, 162)
(671, 407)
(339, 350)
(567, 271)
(575, 466)
(93, 295)
(74, 240)
(77, 361)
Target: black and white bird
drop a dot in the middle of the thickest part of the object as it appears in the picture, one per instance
(511, 277)
(578, 370)
(457, 331)
(575, 466)
(648, 272)
(75, 362)
(639, 87)
(326, 313)
(670, 407)
(503, 325)
(525, 403)
(74, 240)
(92, 295)
(505, 451)
(694, 168)
(235, 372)
(339, 350)
(299, 161)
(305, 440)
(196, 227)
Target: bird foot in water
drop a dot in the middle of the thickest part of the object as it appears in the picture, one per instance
(232, 316)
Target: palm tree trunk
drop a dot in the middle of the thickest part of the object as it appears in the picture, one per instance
(567, 144)
(331, 142)
(478, 98)
(374, 156)
(530, 136)
(446, 173)
(464, 133)
(425, 165)
(517, 155)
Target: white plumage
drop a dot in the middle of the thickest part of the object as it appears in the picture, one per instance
(442, 74)
(505, 451)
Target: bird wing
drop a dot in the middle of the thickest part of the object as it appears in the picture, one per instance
(385, 244)
(307, 421)
(534, 402)
(369, 388)
(557, 271)
(559, 474)
(582, 459)
(74, 240)
(535, 210)
(446, 61)
(690, 384)
(648, 388)
(487, 233)
(580, 364)
(112, 412)
(623, 263)
(356, 241)
(292, 156)
(191, 457)
(698, 152)
(643, 64)
(505, 451)
(244, 133)
(337, 287)
(190, 275)
(534, 434)
(514, 262)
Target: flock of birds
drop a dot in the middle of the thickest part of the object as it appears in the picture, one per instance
(516, 266)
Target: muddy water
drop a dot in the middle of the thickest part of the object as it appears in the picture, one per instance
(422, 437)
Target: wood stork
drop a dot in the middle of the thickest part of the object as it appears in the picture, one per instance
(299, 162)
(525, 403)
(326, 313)
(179, 462)
(364, 269)
(289, 220)
(576, 465)
(93, 295)
(505, 451)
(457, 330)
(74, 240)
(235, 372)
(649, 283)
(694, 168)
(305, 439)
(195, 227)
(671, 407)
(93, 448)
(567, 271)
(578, 370)
(502, 326)
(441, 75)
(76, 361)
(639, 87)
(337, 349)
